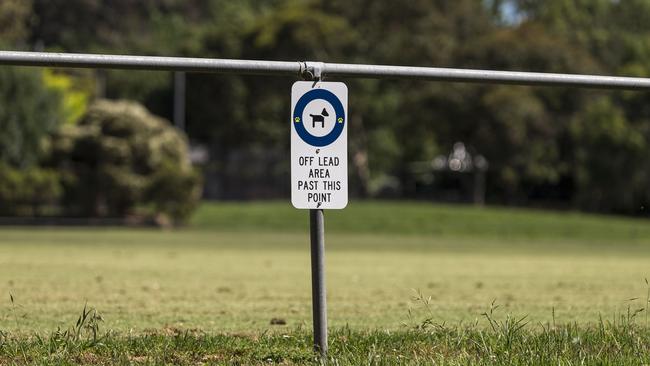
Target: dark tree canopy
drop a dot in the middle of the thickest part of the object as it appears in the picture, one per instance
(559, 146)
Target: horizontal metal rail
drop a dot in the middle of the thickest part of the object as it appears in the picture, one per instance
(317, 69)
(148, 63)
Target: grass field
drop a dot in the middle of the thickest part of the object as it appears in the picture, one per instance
(238, 266)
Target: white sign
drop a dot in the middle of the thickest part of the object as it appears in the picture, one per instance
(319, 145)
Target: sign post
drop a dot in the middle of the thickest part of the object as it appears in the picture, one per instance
(319, 175)
(318, 288)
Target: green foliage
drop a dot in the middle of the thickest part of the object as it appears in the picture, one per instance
(29, 112)
(29, 191)
(75, 92)
(176, 195)
(530, 136)
(16, 17)
(119, 157)
(607, 142)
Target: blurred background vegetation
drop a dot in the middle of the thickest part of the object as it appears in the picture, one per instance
(66, 151)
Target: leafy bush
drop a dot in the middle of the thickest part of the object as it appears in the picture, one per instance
(120, 158)
(27, 191)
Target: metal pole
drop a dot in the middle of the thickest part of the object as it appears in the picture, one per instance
(179, 100)
(318, 290)
(485, 76)
(98, 61)
(308, 68)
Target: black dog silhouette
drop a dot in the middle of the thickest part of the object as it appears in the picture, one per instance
(320, 118)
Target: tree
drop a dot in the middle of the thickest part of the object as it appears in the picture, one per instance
(605, 142)
(536, 139)
(15, 20)
(29, 112)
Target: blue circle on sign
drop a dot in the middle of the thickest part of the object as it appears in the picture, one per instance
(339, 121)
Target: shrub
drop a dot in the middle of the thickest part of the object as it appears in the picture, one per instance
(121, 158)
(27, 192)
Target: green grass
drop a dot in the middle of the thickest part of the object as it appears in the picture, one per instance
(237, 266)
(507, 342)
(418, 218)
